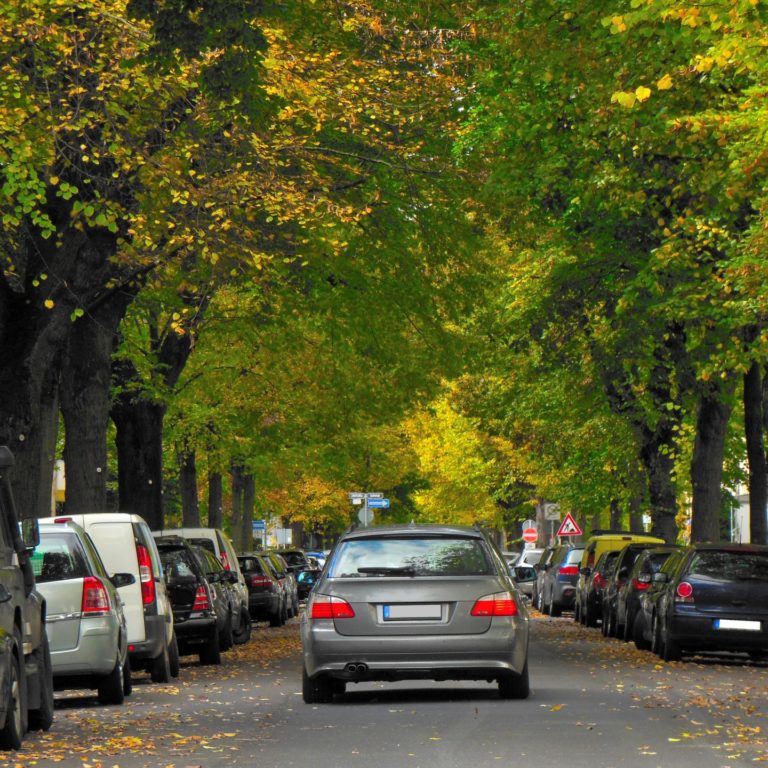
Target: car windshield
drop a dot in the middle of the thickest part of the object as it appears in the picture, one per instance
(729, 565)
(411, 556)
(294, 558)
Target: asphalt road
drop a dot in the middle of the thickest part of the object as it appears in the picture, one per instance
(594, 702)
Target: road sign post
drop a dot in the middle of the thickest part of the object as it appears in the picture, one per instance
(368, 501)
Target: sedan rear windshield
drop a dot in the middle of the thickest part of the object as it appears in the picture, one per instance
(730, 565)
(411, 556)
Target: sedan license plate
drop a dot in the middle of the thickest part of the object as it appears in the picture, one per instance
(411, 611)
(749, 626)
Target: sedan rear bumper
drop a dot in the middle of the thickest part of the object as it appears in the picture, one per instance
(696, 631)
(502, 648)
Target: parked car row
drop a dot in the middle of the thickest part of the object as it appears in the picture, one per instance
(701, 598)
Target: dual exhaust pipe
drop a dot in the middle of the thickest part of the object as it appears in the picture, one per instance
(356, 668)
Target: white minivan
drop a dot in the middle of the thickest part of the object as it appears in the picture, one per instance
(126, 545)
(217, 542)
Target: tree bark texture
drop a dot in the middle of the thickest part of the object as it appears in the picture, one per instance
(215, 500)
(139, 444)
(190, 506)
(86, 400)
(756, 458)
(249, 501)
(237, 473)
(707, 465)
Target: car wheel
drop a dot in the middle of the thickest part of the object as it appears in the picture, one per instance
(211, 653)
(656, 636)
(243, 635)
(590, 619)
(41, 719)
(111, 689)
(226, 640)
(339, 686)
(577, 613)
(317, 689)
(610, 624)
(12, 732)
(173, 655)
(160, 671)
(604, 623)
(554, 609)
(627, 631)
(638, 627)
(512, 686)
(276, 619)
(670, 649)
(127, 676)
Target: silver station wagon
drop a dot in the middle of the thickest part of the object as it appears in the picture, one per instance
(414, 602)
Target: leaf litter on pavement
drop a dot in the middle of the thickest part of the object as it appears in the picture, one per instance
(149, 722)
(712, 704)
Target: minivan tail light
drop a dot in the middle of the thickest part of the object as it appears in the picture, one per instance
(499, 604)
(261, 581)
(95, 597)
(146, 576)
(599, 580)
(641, 582)
(569, 570)
(684, 593)
(225, 560)
(326, 607)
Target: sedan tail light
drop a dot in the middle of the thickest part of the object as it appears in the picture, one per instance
(569, 570)
(599, 581)
(202, 600)
(145, 574)
(499, 604)
(261, 581)
(325, 607)
(641, 582)
(95, 597)
(684, 593)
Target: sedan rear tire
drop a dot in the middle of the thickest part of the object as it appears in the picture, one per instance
(160, 671)
(211, 653)
(512, 686)
(317, 689)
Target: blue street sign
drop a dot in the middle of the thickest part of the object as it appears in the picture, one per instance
(378, 503)
(259, 526)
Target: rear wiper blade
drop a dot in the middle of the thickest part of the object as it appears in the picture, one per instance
(406, 570)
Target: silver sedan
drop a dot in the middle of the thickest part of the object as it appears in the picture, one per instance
(414, 602)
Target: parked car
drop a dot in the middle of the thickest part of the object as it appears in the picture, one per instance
(25, 658)
(289, 580)
(613, 623)
(714, 599)
(648, 598)
(529, 556)
(588, 608)
(604, 540)
(266, 598)
(541, 572)
(524, 577)
(648, 562)
(296, 559)
(225, 583)
(557, 589)
(86, 626)
(217, 542)
(201, 611)
(414, 602)
(306, 580)
(126, 545)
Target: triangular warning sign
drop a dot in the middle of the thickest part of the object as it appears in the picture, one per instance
(568, 527)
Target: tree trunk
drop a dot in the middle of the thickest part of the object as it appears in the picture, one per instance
(139, 444)
(615, 524)
(237, 505)
(707, 465)
(758, 466)
(190, 507)
(85, 402)
(659, 465)
(215, 500)
(249, 500)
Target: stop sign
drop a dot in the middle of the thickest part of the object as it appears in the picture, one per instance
(530, 534)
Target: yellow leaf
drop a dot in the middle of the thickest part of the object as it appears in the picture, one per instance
(624, 99)
(665, 83)
(49, 304)
(643, 93)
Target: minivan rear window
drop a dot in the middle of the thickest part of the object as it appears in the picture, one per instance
(411, 556)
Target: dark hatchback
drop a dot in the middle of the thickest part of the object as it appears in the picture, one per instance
(200, 611)
(713, 599)
(265, 594)
(589, 592)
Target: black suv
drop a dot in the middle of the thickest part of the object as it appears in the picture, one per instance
(25, 659)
